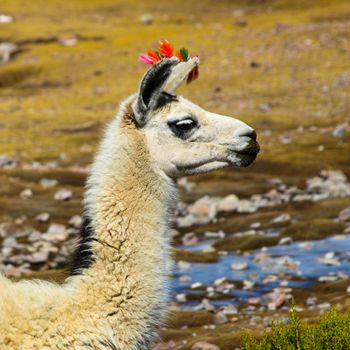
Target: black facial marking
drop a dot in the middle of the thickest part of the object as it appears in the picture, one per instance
(83, 256)
(165, 98)
(183, 128)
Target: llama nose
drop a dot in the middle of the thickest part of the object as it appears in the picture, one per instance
(248, 132)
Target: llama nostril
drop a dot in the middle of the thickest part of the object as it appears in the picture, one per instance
(251, 133)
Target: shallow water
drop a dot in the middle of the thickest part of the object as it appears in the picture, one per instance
(301, 262)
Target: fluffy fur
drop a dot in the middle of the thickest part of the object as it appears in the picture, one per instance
(117, 294)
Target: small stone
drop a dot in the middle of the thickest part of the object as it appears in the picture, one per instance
(56, 232)
(181, 298)
(220, 318)
(204, 305)
(35, 236)
(5, 161)
(196, 285)
(68, 41)
(230, 310)
(76, 221)
(189, 238)
(146, 19)
(42, 217)
(265, 107)
(5, 18)
(229, 203)
(185, 278)
(324, 306)
(202, 345)
(170, 345)
(219, 234)
(348, 290)
(26, 194)
(344, 215)
(240, 22)
(239, 266)
(285, 241)
(339, 130)
(48, 183)
(281, 218)
(38, 257)
(63, 195)
(183, 265)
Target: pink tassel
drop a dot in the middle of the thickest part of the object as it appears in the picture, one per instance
(145, 59)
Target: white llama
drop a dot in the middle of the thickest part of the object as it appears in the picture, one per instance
(117, 293)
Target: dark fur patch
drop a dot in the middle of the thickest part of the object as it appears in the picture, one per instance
(165, 98)
(83, 256)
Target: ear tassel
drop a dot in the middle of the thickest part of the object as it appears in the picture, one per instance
(166, 50)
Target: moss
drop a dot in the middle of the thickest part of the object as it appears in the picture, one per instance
(245, 242)
(313, 229)
(332, 332)
(195, 256)
(190, 319)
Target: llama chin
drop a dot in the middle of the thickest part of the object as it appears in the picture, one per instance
(117, 294)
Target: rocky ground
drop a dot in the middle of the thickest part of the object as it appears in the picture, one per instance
(246, 241)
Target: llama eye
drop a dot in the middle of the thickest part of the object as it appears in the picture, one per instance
(182, 128)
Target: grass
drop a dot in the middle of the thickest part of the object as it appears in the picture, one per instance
(332, 332)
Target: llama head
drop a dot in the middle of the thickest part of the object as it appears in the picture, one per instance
(184, 139)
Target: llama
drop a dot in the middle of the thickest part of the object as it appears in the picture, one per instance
(117, 293)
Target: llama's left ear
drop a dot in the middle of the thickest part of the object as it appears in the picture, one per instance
(151, 88)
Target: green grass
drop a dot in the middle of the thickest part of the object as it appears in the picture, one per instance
(332, 332)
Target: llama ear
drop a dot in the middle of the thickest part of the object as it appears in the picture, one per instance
(151, 87)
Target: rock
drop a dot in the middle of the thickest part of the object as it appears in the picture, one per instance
(285, 241)
(55, 233)
(344, 215)
(5, 160)
(26, 194)
(240, 22)
(219, 234)
(230, 310)
(265, 107)
(324, 306)
(48, 183)
(281, 218)
(186, 184)
(205, 209)
(329, 259)
(220, 318)
(5, 18)
(239, 266)
(7, 50)
(183, 265)
(170, 345)
(246, 206)
(202, 345)
(38, 257)
(42, 217)
(76, 221)
(181, 298)
(146, 19)
(189, 238)
(9, 242)
(348, 290)
(277, 301)
(196, 285)
(339, 130)
(186, 221)
(8, 229)
(35, 236)
(63, 195)
(229, 203)
(68, 41)
(204, 305)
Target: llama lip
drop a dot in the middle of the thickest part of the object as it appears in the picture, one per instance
(252, 149)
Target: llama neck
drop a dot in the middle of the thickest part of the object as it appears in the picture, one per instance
(128, 202)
